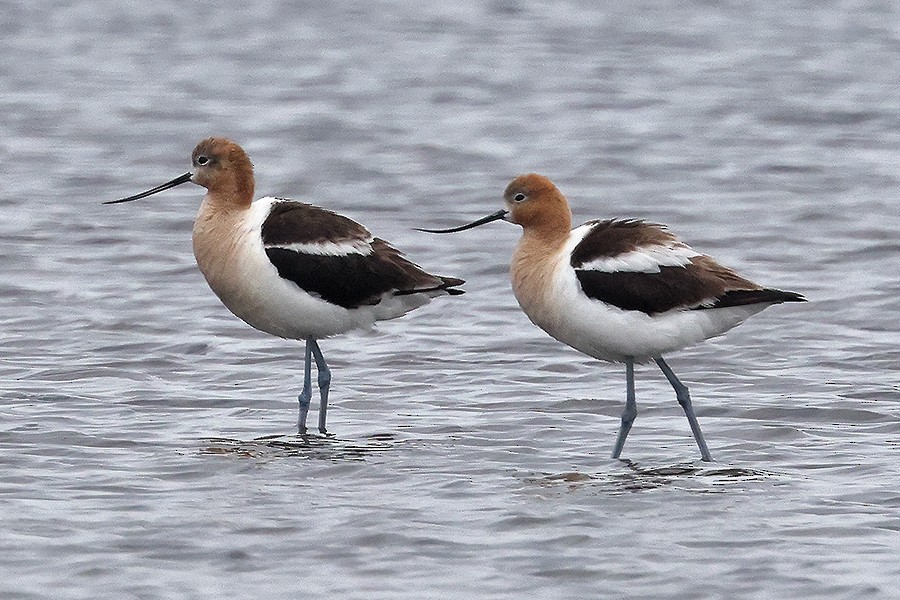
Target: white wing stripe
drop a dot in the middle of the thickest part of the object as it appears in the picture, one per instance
(648, 259)
(362, 247)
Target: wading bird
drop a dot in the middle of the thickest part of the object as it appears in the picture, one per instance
(620, 290)
(291, 269)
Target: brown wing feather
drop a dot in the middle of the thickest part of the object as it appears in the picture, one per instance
(702, 283)
(292, 222)
(348, 280)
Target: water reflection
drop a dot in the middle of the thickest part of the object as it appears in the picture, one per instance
(308, 446)
(638, 478)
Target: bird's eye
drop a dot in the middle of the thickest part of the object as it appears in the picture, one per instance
(202, 160)
(519, 197)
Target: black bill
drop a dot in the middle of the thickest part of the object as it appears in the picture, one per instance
(170, 184)
(492, 217)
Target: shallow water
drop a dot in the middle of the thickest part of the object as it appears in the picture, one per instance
(146, 435)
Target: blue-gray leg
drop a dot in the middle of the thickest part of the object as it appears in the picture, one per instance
(324, 381)
(306, 393)
(630, 411)
(684, 399)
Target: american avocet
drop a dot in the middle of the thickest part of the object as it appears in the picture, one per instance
(291, 269)
(620, 290)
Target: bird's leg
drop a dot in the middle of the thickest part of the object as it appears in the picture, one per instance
(684, 399)
(630, 411)
(306, 393)
(324, 381)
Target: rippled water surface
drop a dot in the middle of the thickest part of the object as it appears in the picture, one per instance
(146, 435)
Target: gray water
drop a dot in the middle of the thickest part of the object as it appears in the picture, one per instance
(147, 445)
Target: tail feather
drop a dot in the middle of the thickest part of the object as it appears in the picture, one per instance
(761, 296)
(447, 284)
(450, 283)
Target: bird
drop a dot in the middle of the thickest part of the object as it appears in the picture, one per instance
(620, 290)
(292, 269)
